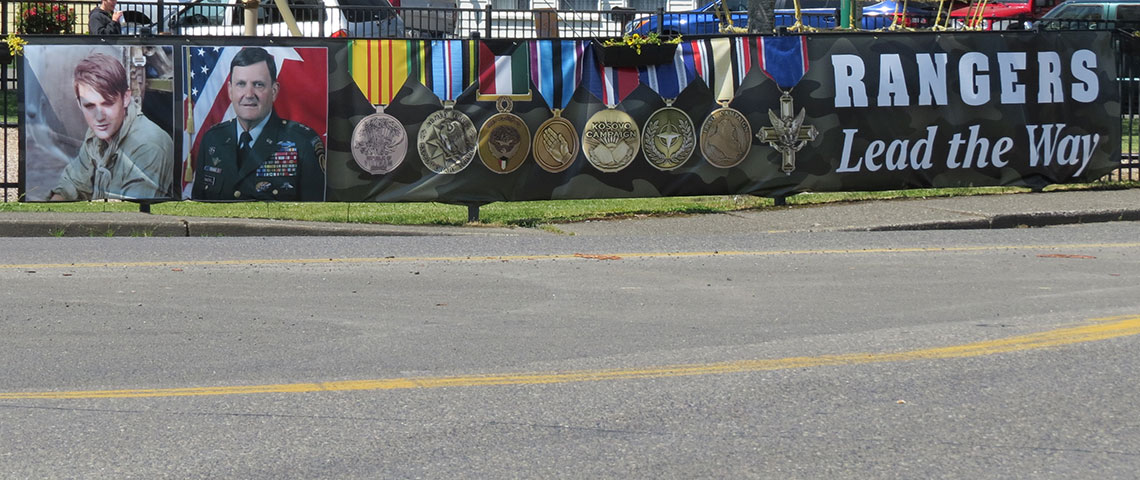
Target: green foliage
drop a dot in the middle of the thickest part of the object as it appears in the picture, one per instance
(45, 18)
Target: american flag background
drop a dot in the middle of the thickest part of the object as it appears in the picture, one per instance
(300, 71)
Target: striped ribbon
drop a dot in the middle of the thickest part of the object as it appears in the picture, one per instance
(556, 69)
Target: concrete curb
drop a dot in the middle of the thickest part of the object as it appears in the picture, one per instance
(1014, 220)
(119, 224)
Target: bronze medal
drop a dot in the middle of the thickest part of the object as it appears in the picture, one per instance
(669, 138)
(447, 140)
(555, 143)
(610, 140)
(504, 140)
(726, 137)
(379, 143)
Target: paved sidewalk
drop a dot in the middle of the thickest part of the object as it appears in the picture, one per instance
(988, 211)
(984, 211)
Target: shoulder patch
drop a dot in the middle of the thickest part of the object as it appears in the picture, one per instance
(319, 150)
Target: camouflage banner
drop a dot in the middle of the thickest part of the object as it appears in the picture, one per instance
(849, 113)
(869, 113)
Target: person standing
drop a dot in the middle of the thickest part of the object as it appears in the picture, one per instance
(104, 19)
(258, 155)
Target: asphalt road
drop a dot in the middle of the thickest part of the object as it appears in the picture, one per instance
(939, 354)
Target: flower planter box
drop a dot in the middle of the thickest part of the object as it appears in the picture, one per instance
(627, 56)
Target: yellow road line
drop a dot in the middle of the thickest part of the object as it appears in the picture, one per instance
(1099, 329)
(295, 261)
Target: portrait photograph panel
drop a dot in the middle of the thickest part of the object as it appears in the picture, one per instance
(98, 123)
(256, 123)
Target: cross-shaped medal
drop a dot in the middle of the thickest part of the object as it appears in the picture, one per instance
(787, 134)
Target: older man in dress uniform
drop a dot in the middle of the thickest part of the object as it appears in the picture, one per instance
(258, 155)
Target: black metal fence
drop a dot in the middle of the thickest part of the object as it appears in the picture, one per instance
(379, 19)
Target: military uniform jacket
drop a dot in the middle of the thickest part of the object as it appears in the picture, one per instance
(139, 165)
(287, 164)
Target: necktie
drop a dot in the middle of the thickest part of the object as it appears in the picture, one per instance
(244, 149)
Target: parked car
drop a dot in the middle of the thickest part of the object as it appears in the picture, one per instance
(998, 15)
(882, 15)
(141, 14)
(315, 18)
(814, 13)
(1093, 14)
(706, 20)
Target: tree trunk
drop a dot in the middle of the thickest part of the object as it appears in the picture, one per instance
(761, 16)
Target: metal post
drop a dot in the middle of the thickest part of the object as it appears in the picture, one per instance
(487, 20)
(845, 8)
(161, 15)
(473, 212)
(660, 19)
(780, 201)
(144, 207)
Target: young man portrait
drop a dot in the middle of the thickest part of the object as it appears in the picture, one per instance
(123, 154)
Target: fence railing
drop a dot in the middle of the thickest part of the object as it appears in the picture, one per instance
(378, 19)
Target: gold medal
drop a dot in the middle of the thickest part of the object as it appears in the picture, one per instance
(379, 143)
(447, 140)
(555, 143)
(504, 139)
(726, 137)
(669, 138)
(610, 140)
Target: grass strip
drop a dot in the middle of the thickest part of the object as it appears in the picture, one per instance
(523, 214)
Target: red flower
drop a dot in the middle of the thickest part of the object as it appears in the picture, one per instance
(55, 8)
(32, 10)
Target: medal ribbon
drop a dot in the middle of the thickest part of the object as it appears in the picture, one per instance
(713, 61)
(784, 59)
(556, 70)
(452, 68)
(609, 84)
(670, 79)
(381, 67)
(504, 68)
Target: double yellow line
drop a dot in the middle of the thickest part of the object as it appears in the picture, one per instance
(1098, 329)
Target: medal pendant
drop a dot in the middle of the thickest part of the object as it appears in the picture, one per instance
(555, 143)
(610, 140)
(726, 137)
(669, 138)
(447, 140)
(504, 139)
(379, 143)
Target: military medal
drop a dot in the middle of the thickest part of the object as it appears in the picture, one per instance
(610, 138)
(379, 143)
(668, 138)
(447, 139)
(504, 139)
(504, 75)
(555, 143)
(786, 64)
(726, 137)
(555, 71)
